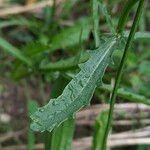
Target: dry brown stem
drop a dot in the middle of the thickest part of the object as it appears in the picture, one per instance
(22, 9)
(125, 114)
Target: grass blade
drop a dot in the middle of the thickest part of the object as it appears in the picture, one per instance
(62, 136)
(14, 22)
(70, 36)
(139, 35)
(95, 21)
(130, 96)
(99, 130)
(124, 15)
(120, 69)
(14, 51)
(65, 64)
(107, 16)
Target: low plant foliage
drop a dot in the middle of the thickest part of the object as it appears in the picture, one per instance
(75, 59)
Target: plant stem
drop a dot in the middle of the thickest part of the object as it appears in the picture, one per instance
(124, 15)
(120, 70)
(109, 21)
(133, 97)
(95, 22)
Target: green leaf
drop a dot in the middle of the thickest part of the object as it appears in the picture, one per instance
(99, 130)
(32, 107)
(127, 95)
(36, 51)
(14, 22)
(61, 137)
(20, 71)
(78, 92)
(139, 35)
(14, 51)
(144, 68)
(95, 21)
(64, 64)
(124, 15)
(33, 49)
(70, 36)
(107, 16)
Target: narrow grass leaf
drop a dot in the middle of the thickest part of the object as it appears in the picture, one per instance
(107, 16)
(14, 22)
(124, 15)
(95, 21)
(139, 35)
(99, 130)
(78, 92)
(36, 52)
(62, 136)
(64, 64)
(70, 36)
(14, 51)
(127, 95)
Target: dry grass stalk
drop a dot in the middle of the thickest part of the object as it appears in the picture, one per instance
(22, 9)
(131, 114)
(29, 2)
(11, 135)
(85, 143)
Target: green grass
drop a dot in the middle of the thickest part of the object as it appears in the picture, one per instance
(74, 53)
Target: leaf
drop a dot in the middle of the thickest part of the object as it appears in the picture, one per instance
(36, 51)
(99, 130)
(139, 35)
(14, 51)
(61, 137)
(78, 92)
(32, 107)
(95, 22)
(107, 16)
(14, 22)
(70, 36)
(64, 64)
(33, 49)
(20, 71)
(127, 95)
(124, 15)
(144, 68)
